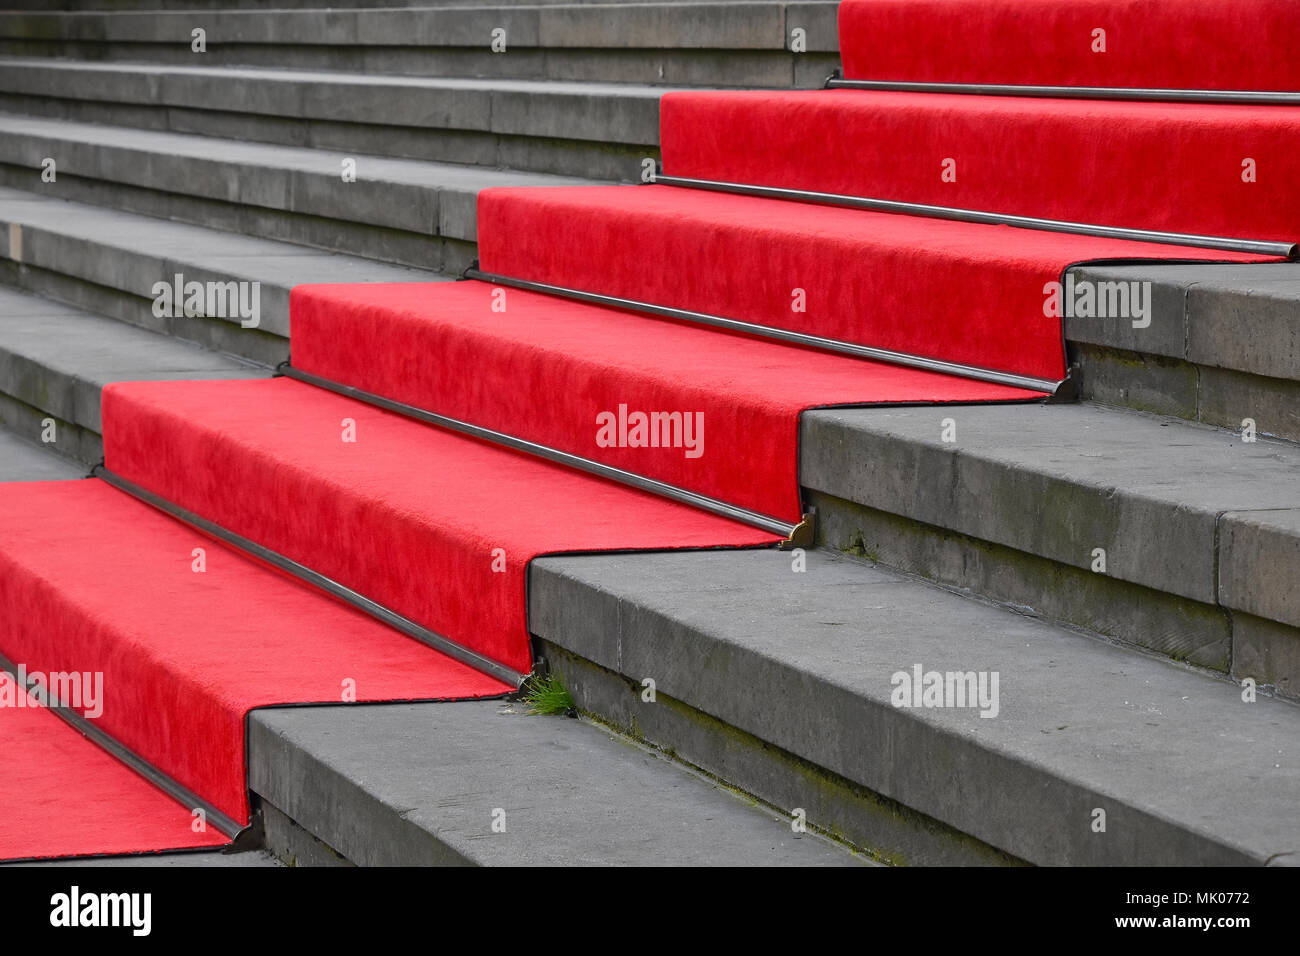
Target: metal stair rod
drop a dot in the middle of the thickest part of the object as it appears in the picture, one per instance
(1285, 250)
(791, 532)
(852, 349)
(1266, 97)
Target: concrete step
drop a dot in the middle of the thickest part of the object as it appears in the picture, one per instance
(400, 211)
(696, 44)
(55, 359)
(783, 683)
(596, 130)
(108, 262)
(24, 460)
(1222, 346)
(1198, 527)
(423, 784)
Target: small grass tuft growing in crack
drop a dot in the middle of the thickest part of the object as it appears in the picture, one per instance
(548, 697)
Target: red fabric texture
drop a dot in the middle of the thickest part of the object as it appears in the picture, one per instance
(409, 515)
(93, 580)
(441, 528)
(966, 293)
(545, 368)
(61, 795)
(1174, 44)
(1168, 166)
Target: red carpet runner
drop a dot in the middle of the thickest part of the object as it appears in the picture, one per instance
(61, 795)
(440, 528)
(963, 292)
(1177, 167)
(93, 581)
(546, 369)
(1147, 44)
(431, 524)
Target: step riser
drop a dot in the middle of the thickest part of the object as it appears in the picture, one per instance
(71, 441)
(833, 804)
(134, 276)
(317, 192)
(253, 344)
(64, 398)
(291, 843)
(613, 159)
(1198, 393)
(1143, 601)
(1185, 630)
(708, 68)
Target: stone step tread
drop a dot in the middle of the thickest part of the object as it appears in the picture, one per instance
(759, 24)
(1158, 494)
(411, 784)
(1232, 316)
(57, 358)
(602, 112)
(427, 197)
(23, 460)
(132, 252)
(1186, 771)
(142, 73)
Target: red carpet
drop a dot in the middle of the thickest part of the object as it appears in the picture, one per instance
(408, 515)
(546, 368)
(958, 291)
(1166, 44)
(61, 795)
(1173, 167)
(92, 580)
(441, 528)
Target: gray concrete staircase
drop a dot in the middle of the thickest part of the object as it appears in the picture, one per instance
(596, 129)
(781, 681)
(1120, 688)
